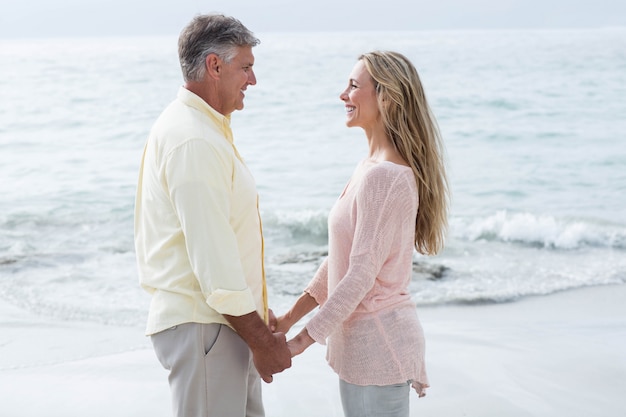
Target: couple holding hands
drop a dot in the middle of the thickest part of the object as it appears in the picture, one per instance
(199, 239)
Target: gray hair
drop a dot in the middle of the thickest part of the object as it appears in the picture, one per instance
(210, 34)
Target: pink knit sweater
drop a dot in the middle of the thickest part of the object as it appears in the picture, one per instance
(366, 312)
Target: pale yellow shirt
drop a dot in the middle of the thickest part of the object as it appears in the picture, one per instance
(198, 233)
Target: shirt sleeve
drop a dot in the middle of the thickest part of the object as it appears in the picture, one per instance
(381, 204)
(199, 180)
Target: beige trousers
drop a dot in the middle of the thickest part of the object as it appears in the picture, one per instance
(211, 371)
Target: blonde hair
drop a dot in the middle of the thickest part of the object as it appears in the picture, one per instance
(412, 128)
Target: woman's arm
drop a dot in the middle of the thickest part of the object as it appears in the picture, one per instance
(303, 305)
(314, 294)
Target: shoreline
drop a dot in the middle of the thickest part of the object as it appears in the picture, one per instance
(562, 354)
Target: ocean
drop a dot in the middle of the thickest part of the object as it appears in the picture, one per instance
(533, 122)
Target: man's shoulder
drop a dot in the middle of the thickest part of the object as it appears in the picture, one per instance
(179, 124)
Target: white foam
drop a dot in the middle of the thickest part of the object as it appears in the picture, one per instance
(543, 230)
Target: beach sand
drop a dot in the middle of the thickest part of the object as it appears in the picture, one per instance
(557, 355)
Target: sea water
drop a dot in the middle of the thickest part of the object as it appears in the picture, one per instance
(533, 122)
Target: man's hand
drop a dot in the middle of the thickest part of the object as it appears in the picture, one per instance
(272, 358)
(273, 321)
(269, 350)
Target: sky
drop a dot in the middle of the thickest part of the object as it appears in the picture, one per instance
(63, 18)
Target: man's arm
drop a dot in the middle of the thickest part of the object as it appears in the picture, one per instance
(269, 350)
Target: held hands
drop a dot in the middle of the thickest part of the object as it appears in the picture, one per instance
(281, 325)
(300, 342)
(274, 360)
(269, 350)
(272, 357)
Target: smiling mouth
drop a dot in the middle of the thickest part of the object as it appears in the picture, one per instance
(350, 109)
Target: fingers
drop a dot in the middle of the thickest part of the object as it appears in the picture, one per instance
(281, 337)
(281, 325)
(273, 322)
(273, 357)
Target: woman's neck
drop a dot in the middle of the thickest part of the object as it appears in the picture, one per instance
(382, 149)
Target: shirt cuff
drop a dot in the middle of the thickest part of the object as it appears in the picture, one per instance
(233, 303)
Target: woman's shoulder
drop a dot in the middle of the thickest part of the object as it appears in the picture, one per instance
(387, 177)
(386, 171)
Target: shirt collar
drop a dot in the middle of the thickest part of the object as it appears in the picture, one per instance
(195, 101)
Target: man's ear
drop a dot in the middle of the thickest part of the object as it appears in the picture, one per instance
(213, 65)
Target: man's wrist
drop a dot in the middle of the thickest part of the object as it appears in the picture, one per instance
(251, 329)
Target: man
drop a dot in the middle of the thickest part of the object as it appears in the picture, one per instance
(198, 234)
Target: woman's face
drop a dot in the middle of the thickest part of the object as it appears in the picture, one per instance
(360, 99)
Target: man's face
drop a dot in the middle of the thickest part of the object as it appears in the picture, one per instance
(235, 78)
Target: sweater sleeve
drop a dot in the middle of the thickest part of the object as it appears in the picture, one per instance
(318, 287)
(382, 201)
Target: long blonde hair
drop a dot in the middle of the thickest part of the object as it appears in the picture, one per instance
(412, 128)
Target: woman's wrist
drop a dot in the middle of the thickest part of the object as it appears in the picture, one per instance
(304, 338)
(300, 342)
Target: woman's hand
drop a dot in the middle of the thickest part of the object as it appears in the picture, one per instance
(303, 305)
(298, 344)
(283, 324)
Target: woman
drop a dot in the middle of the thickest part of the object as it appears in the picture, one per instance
(375, 340)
